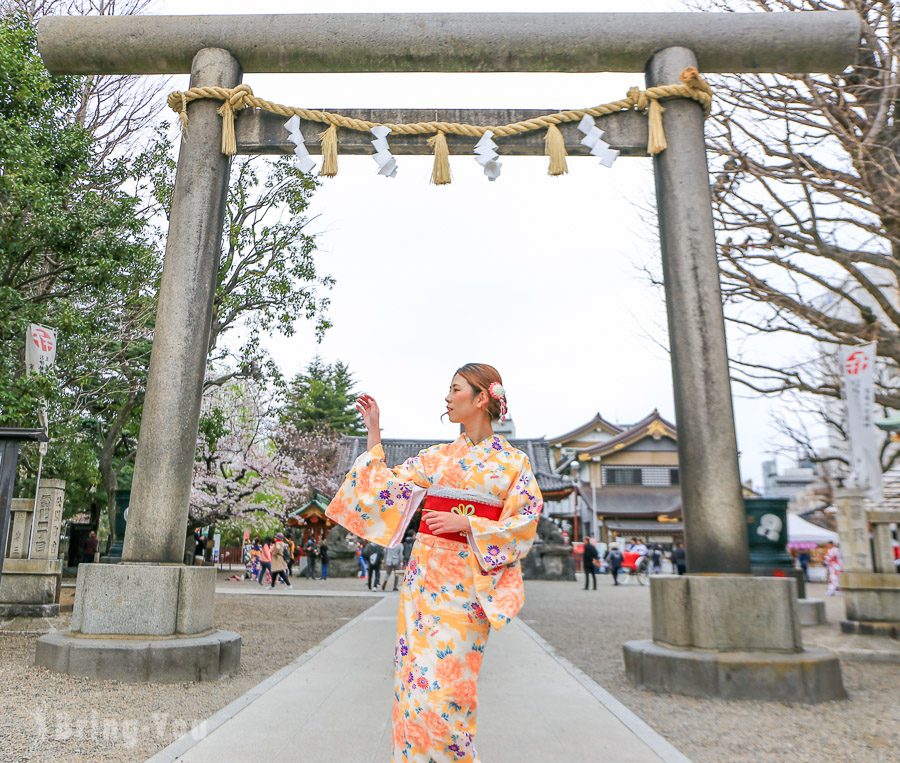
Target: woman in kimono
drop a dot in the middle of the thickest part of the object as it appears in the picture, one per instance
(480, 516)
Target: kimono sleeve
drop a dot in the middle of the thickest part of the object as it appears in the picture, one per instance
(376, 502)
(504, 541)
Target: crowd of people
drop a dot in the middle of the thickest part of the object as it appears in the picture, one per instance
(372, 557)
(268, 560)
(614, 560)
(272, 559)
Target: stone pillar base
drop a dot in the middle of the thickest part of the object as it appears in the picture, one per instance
(549, 561)
(28, 610)
(30, 587)
(143, 622)
(871, 628)
(207, 657)
(813, 675)
(811, 611)
(872, 602)
(730, 636)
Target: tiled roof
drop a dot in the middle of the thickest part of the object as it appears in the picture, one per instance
(634, 501)
(397, 451)
(597, 421)
(638, 526)
(630, 435)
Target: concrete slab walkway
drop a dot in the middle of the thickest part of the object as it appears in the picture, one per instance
(534, 706)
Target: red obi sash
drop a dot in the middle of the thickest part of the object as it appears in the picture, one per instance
(464, 506)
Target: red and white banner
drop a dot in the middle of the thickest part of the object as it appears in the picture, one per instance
(858, 393)
(40, 348)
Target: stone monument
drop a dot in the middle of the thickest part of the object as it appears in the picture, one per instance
(871, 586)
(31, 582)
(550, 558)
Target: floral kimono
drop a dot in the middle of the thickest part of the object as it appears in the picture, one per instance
(453, 590)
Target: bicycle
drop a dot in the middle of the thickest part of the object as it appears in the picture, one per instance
(642, 570)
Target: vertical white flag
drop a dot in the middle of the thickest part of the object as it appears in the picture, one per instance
(858, 393)
(40, 348)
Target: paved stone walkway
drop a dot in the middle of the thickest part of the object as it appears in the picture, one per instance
(534, 706)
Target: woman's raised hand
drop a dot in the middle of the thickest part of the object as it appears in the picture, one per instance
(367, 406)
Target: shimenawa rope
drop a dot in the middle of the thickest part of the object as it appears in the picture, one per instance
(235, 99)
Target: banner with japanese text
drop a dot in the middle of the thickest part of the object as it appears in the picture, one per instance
(858, 394)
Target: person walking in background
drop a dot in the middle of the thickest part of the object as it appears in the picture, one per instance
(289, 556)
(265, 560)
(247, 558)
(590, 560)
(393, 565)
(656, 559)
(679, 558)
(312, 552)
(803, 558)
(834, 565)
(323, 557)
(614, 558)
(361, 558)
(90, 548)
(199, 547)
(279, 561)
(255, 551)
(374, 556)
(408, 543)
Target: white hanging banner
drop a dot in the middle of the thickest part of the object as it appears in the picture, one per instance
(40, 348)
(858, 394)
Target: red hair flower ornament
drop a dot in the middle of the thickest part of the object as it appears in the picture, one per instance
(497, 392)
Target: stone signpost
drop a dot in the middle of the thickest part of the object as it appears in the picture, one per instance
(870, 582)
(32, 573)
(717, 631)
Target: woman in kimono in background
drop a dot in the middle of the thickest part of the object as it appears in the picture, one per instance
(480, 516)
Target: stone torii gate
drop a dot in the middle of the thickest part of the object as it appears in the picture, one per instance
(716, 631)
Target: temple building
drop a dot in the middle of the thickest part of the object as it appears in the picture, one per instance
(627, 480)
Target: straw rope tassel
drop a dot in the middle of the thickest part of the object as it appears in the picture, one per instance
(656, 138)
(440, 174)
(555, 148)
(229, 144)
(329, 152)
(182, 115)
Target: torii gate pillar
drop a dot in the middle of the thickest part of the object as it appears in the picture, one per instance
(152, 593)
(717, 631)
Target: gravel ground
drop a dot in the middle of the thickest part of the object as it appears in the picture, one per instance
(588, 628)
(52, 717)
(129, 722)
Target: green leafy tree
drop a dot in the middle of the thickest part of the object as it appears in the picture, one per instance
(322, 399)
(76, 253)
(81, 250)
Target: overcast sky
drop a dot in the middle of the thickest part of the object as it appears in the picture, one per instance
(538, 276)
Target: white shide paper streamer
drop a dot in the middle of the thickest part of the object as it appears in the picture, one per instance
(387, 164)
(486, 155)
(302, 160)
(593, 139)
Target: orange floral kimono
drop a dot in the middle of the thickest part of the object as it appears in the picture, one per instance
(452, 592)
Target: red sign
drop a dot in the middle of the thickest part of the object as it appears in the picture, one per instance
(42, 339)
(857, 362)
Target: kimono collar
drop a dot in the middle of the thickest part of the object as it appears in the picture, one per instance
(493, 444)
